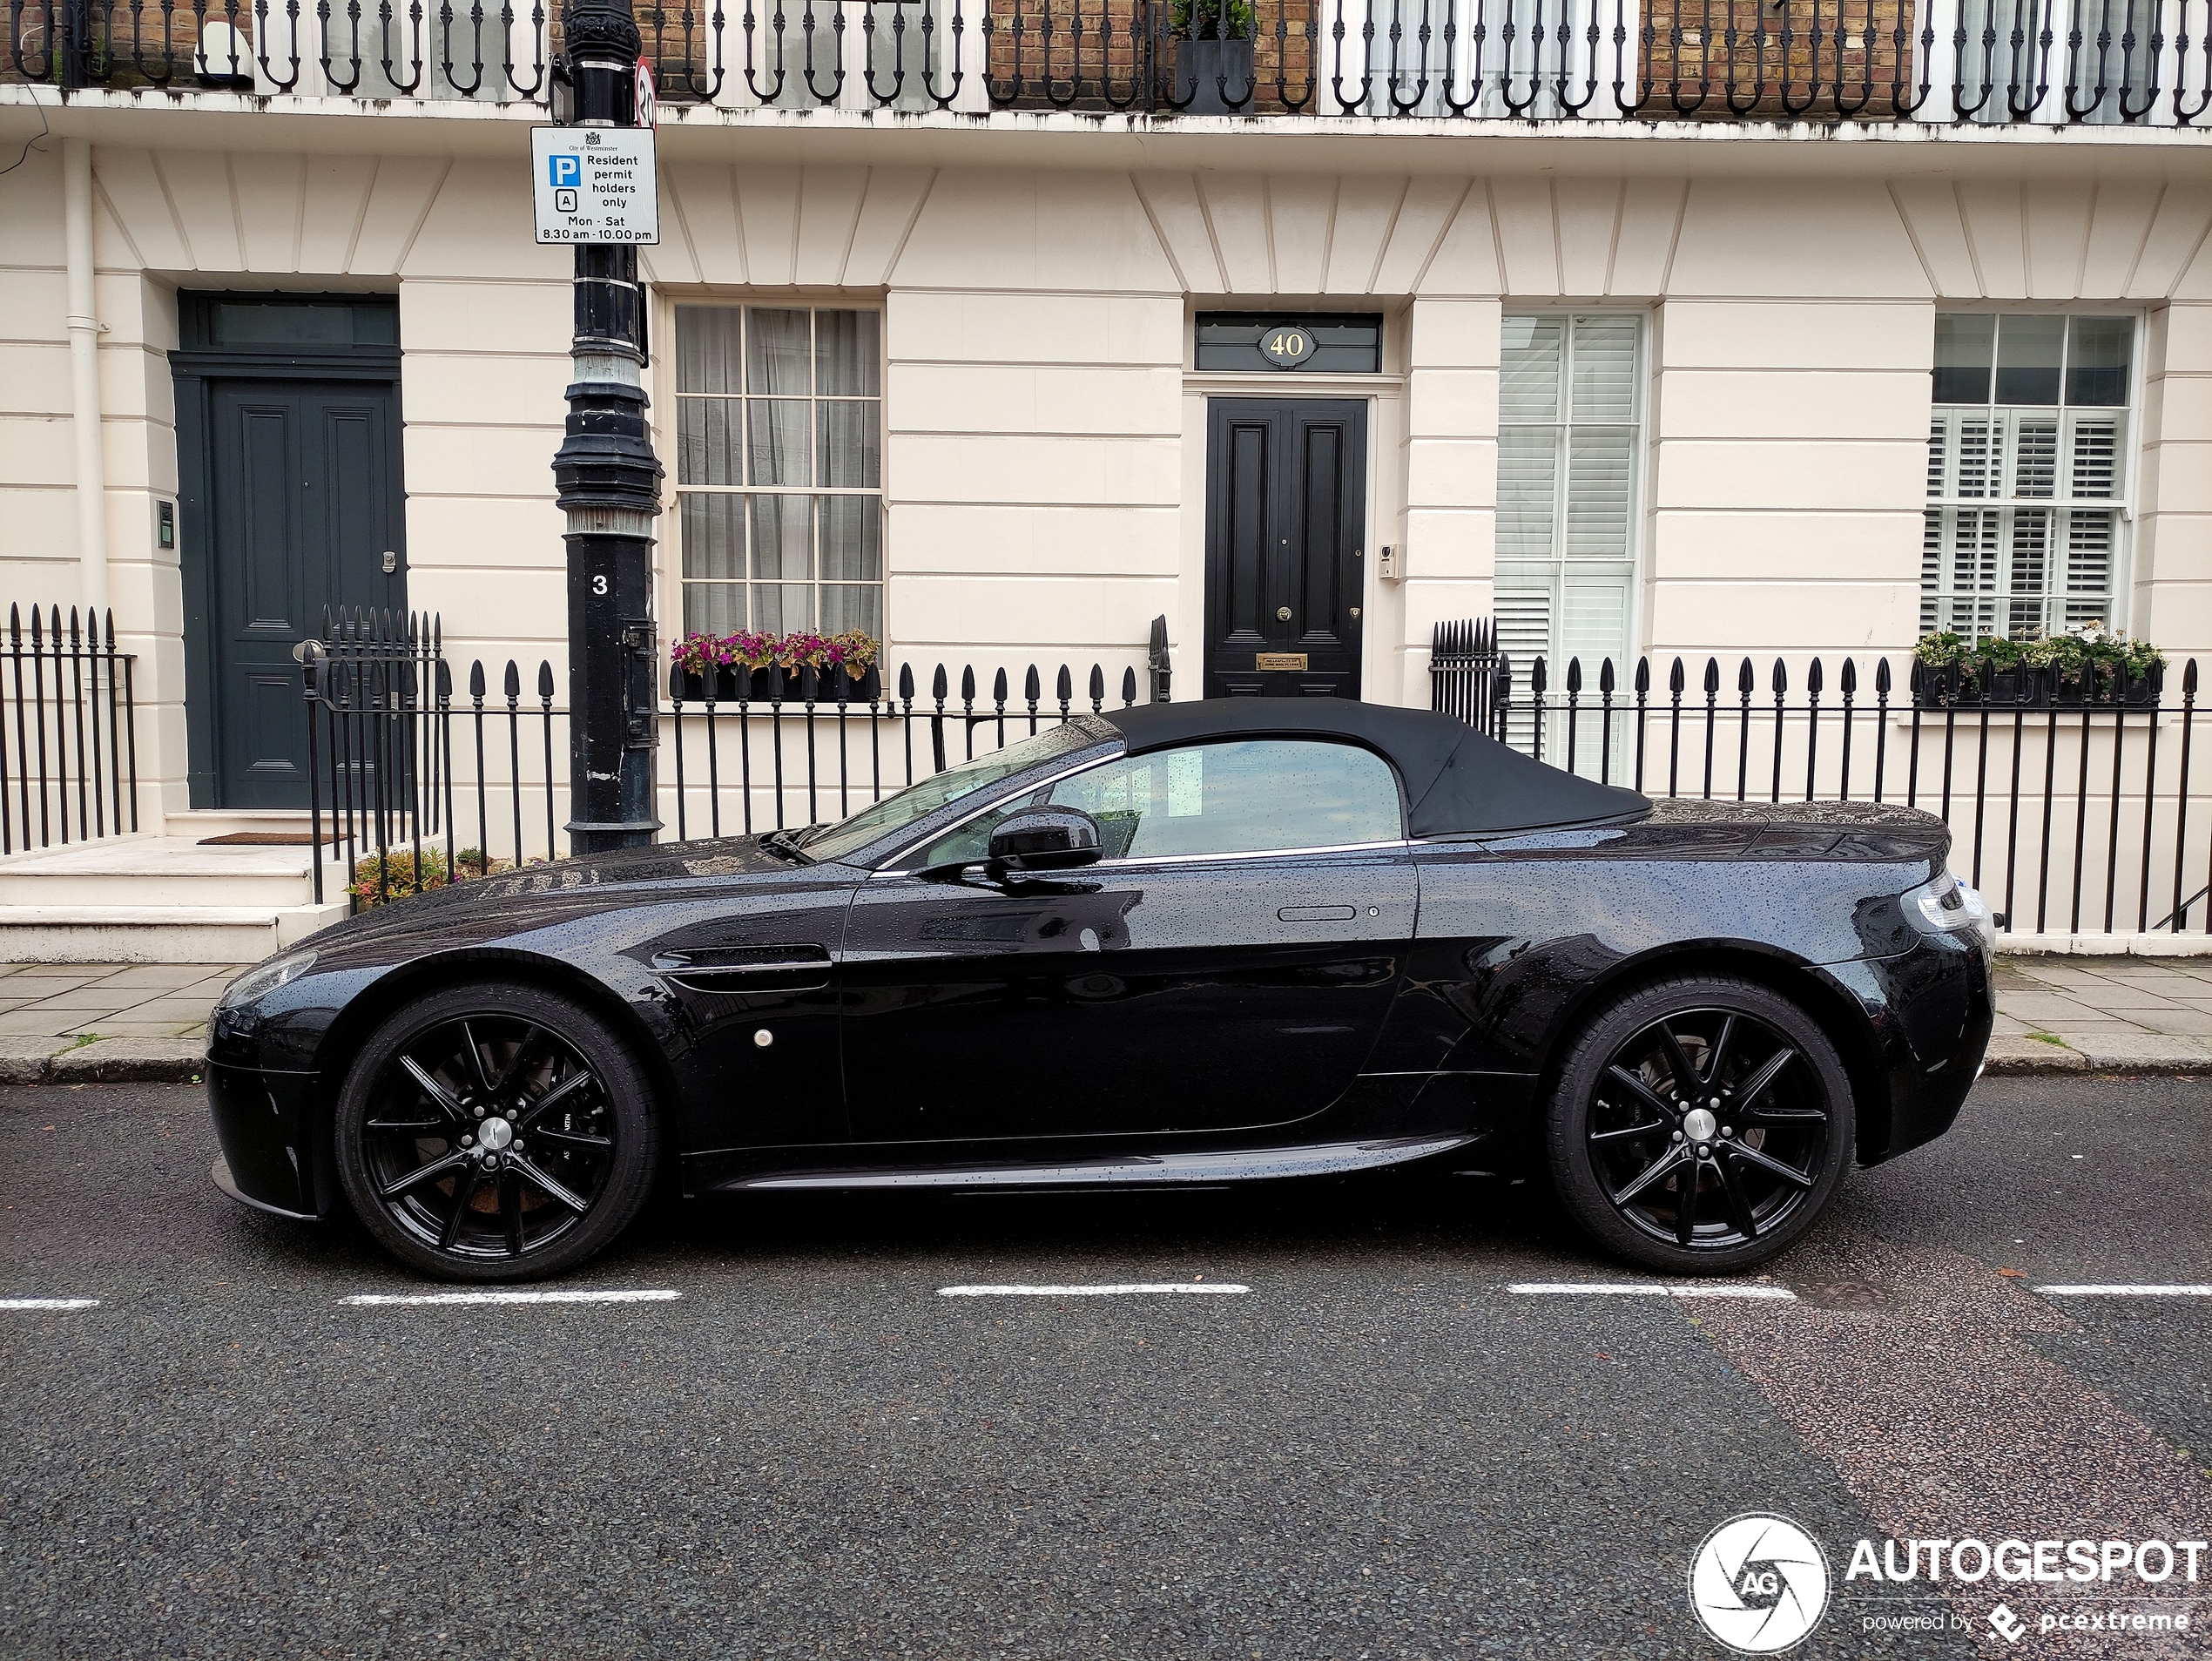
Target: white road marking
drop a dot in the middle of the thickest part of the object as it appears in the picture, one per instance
(1645, 1289)
(1112, 1289)
(2127, 1291)
(49, 1303)
(512, 1297)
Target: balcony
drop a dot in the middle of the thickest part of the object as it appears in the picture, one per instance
(2134, 64)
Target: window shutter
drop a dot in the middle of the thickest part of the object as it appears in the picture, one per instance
(1566, 454)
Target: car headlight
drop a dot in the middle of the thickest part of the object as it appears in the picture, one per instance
(1944, 905)
(259, 982)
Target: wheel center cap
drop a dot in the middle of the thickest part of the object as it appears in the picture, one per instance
(495, 1134)
(1698, 1125)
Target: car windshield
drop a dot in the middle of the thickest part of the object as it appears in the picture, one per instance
(917, 801)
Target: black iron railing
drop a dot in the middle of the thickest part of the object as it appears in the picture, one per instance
(69, 742)
(417, 781)
(2001, 61)
(2074, 808)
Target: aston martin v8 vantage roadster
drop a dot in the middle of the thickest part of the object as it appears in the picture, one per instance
(1192, 943)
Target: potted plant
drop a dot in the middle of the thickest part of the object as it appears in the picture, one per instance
(2089, 664)
(1213, 55)
(753, 667)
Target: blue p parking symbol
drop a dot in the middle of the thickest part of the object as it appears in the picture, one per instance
(564, 170)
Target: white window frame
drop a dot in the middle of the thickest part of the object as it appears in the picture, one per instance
(2120, 584)
(671, 438)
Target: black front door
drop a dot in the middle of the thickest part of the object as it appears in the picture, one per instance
(289, 440)
(1286, 512)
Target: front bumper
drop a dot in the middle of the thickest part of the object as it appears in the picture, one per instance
(274, 1154)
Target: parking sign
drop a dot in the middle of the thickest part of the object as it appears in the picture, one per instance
(595, 185)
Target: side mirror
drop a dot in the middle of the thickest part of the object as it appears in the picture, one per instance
(1046, 839)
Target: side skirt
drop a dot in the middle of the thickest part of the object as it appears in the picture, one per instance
(1326, 1159)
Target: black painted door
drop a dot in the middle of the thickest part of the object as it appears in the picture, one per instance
(1286, 512)
(303, 505)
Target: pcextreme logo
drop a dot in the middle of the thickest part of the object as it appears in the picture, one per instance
(1759, 1583)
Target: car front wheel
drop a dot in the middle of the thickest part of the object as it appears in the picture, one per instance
(1701, 1125)
(495, 1132)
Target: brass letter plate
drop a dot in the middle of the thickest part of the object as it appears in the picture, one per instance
(1278, 660)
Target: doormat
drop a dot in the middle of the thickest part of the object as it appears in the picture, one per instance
(267, 839)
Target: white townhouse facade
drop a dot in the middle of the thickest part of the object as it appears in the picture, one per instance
(1643, 341)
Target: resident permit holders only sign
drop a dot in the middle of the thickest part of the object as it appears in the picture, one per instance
(595, 185)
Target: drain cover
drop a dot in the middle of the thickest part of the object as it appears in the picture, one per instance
(1842, 1294)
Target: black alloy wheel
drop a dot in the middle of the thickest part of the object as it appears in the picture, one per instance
(496, 1133)
(1702, 1126)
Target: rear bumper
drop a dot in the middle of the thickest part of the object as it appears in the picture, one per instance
(274, 1155)
(1932, 1009)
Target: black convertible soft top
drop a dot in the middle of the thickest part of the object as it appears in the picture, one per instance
(1458, 783)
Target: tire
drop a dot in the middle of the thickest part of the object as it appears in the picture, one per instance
(551, 1085)
(1768, 1131)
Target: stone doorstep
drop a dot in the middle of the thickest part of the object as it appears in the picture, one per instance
(105, 1061)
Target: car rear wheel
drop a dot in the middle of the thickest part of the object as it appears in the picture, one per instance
(495, 1132)
(1701, 1125)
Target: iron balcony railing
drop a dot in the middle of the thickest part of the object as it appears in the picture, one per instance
(2060, 62)
(2075, 807)
(419, 776)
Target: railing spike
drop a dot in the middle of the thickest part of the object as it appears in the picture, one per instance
(998, 688)
(1847, 677)
(1813, 677)
(545, 678)
(1780, 680)
(1747, 679)
(1065, 686)
(1573, 674)
(967, 684)
(1712, 676)
(1675, 679)
(1605, 676)
(1128, 687)
(1882, 675)
(939, 686)
(476, 680)
(906, 682)
(2189, 678)
(1032, 688)
(514, 680)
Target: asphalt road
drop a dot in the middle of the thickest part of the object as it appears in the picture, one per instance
(1379, 1449)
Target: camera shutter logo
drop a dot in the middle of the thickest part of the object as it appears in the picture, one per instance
(1759, 1583)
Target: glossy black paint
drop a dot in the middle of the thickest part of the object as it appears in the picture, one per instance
(1119, 1022)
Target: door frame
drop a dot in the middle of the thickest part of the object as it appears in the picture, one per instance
(1361, 478)
(194, 366)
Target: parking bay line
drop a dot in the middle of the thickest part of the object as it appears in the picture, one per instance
(367, 1298)
(1113, 1289)
(1644, 1289)
(49, 1303)
(2126, 1292)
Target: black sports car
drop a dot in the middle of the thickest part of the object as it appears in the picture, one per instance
(1182, 943)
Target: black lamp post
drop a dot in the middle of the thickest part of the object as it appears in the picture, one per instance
(609, 487)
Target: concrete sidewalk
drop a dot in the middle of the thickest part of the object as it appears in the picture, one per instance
(96, 1023)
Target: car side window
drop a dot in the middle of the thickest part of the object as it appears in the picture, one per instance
(1244, 796)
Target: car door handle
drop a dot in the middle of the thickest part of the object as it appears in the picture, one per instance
(1317, 914)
